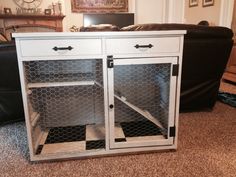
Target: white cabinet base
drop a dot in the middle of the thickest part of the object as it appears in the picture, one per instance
(101, 93)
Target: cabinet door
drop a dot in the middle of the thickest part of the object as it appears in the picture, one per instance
(142, 98)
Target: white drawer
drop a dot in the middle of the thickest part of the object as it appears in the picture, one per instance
(143, 45)
(70, 47)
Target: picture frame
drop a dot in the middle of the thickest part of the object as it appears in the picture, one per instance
(48, 12)
(101, 6)
(193, 3)
(206, 3)
(7, 11)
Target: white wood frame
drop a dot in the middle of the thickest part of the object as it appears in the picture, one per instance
(226, 13)
(59, 84)
(174, 11)
(163, 145)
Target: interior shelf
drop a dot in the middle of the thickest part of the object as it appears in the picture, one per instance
(60, 77)
(60, 84)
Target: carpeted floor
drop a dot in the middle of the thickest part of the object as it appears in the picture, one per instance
(207, 148)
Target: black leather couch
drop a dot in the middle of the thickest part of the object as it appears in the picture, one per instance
(206, 52)
(205, 55)
(11, 107)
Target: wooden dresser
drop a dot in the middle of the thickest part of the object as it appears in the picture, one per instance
(230, 73)
(30, 23)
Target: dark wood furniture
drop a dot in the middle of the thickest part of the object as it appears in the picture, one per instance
(30, 23)
(230, 73)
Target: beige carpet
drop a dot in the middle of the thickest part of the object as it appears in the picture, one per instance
(207, 148)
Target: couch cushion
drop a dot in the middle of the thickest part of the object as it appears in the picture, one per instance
(101, 27)
(9, 75)
(11, 106)
(193, 31)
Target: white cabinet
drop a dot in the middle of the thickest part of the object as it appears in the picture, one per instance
(137, 45)
(43, 48)
(100, 93)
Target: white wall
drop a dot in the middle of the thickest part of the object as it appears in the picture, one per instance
(71, 19)
(45, 5)
(226, 12)
(193, 15)
(149, 11)
(174, 11)
(178, 11)
(146, 11)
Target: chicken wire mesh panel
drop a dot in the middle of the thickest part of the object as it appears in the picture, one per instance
(63, 70)
(67, 106)
(66, 111)
(141, 92)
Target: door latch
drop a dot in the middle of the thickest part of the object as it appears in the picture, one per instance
(110, 62)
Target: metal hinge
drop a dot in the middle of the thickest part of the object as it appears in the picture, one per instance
(110, 63)
(172, 131)
(175, 70)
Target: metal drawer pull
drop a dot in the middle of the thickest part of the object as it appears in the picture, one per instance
(143, 46)
(62, 48)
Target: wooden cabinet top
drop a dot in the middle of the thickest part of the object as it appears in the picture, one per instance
(30, 16)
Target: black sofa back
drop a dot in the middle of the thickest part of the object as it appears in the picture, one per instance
(205, 55)
(11, 106)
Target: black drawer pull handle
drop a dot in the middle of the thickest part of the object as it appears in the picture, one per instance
(62, 48)
(143, 46)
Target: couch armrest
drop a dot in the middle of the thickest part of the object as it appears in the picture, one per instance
(9, 75)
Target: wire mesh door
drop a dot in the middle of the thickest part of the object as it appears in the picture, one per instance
(139, 99)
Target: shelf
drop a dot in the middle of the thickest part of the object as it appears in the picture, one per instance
(59, 77)
(60, 84)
